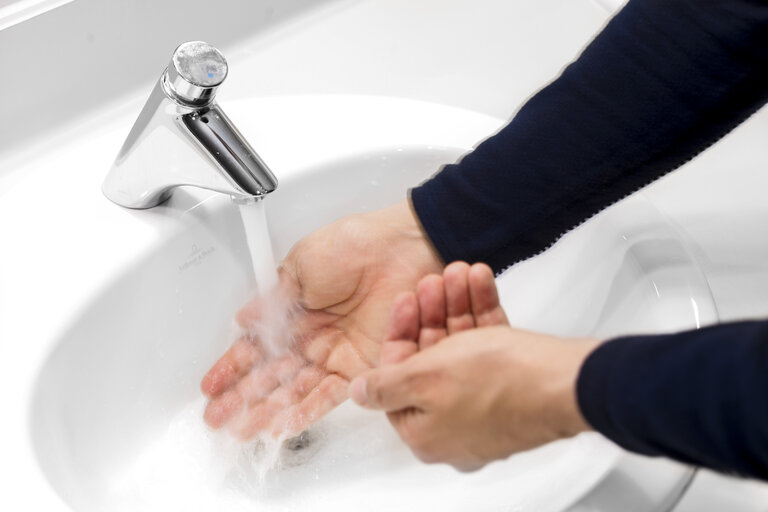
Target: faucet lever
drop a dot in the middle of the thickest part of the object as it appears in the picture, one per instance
(182, 137)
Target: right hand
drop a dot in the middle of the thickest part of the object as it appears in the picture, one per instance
(342, 280)
(480, 395)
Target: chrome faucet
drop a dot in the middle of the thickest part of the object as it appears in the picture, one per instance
(182, 137)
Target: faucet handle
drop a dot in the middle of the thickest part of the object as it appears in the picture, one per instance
(194, 73)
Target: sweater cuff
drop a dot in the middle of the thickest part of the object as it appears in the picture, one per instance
(428, 215)
(592, 387)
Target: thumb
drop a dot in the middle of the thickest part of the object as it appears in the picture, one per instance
(386, 389)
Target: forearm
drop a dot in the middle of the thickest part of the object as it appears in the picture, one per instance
(700, 397)
(663, 81)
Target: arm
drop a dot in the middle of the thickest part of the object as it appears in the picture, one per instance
(485, 393)
(699, 397)
(664, 80)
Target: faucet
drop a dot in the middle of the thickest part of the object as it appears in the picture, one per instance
(182, 137)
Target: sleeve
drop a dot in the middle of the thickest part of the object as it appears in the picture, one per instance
(663, 81)
(700, 397)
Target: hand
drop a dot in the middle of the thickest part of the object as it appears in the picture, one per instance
(480, 395)
(341, 281)
(463, 298)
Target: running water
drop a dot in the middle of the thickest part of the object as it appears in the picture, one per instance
(260, 245)
(272, 328)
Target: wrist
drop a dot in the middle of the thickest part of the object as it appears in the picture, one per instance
(571, 421)
(403, 218)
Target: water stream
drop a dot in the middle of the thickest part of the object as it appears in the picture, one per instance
(260, 245)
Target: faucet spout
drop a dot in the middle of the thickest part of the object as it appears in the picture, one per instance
(183, 138)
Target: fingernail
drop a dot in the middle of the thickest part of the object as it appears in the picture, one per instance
(357, 391)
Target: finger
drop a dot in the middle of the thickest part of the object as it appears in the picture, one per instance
(262, 380)
(467, 466)
(306, 381)
(404, 318)
(387, 388)
(252, 388)
(346, 361)
(262, 415)
(402, 330)
(223, 408)
(484, 296)
(259, 417)
(393, 352)
(412, 426)
(327, 395)
(458, 304)
(228, 370)
(432, 315)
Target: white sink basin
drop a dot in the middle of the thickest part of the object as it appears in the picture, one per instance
(109, 403)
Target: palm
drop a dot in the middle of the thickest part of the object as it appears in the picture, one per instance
(339, 284)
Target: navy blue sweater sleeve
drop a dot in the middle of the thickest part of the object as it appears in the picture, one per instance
(662, 81)
(700, 397)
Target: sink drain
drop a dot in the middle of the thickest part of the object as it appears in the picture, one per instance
(297, 443)
(300, 449)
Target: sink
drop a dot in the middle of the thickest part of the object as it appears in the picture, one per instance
(112, 400)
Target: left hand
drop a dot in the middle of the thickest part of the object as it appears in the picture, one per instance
(480, 395)
(337, 285)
